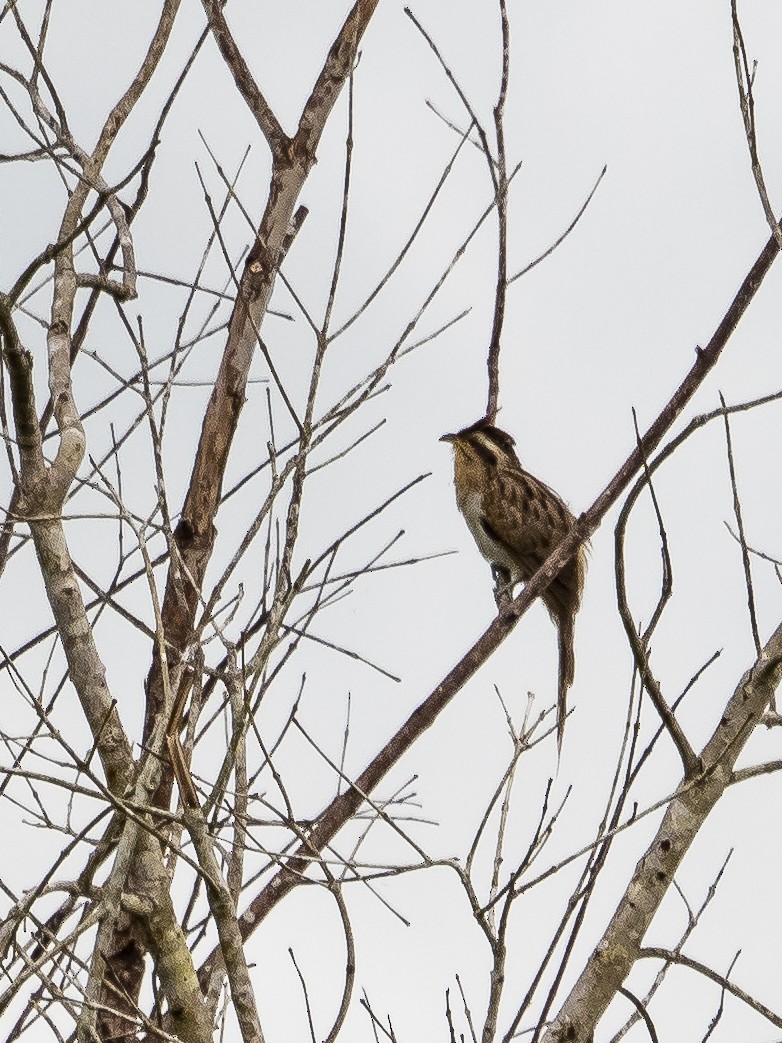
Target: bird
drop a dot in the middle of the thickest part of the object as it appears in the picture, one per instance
(517, 520)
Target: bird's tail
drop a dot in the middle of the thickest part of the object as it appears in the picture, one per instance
(567, 669)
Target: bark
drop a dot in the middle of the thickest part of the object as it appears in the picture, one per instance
(619, 948)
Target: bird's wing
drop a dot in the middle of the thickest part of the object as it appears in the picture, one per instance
(529, 519)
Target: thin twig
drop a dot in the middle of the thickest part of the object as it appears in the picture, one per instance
(753, 619)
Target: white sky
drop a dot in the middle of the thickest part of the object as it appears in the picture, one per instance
(608, 323)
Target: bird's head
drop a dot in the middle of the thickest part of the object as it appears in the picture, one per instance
(485, 442)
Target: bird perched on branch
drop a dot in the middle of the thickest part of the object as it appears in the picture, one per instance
(517, 521)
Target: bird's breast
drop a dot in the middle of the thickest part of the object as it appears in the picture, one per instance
(495, 552)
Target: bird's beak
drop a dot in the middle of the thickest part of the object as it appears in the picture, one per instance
(448, 438)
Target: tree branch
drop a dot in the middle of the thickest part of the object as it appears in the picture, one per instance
(340, 811)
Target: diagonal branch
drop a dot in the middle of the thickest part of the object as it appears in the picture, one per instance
(244, 79)
(744, 82)
(673, 956)
(619, 948)
(194, 535)
(345, 806)
(224, 912)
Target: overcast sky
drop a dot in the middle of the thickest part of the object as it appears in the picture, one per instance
(608, 323)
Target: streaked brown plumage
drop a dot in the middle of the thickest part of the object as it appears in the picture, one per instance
(517, 521)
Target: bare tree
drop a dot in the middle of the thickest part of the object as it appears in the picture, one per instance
(174, 733)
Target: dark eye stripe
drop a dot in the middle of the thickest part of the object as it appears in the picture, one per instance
(500, 438)
(483, 447)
